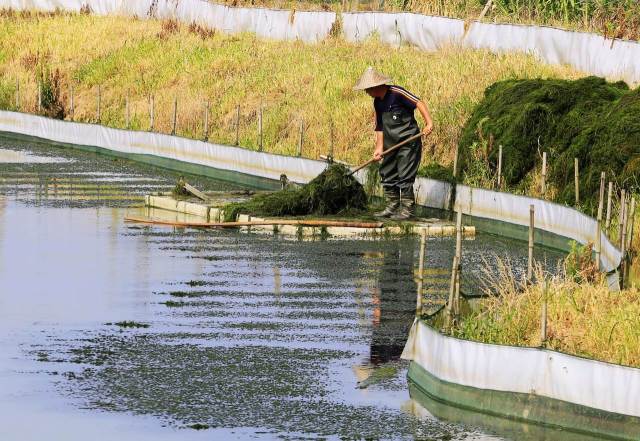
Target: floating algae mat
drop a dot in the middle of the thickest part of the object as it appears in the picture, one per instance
(589, 119)
(334, 191)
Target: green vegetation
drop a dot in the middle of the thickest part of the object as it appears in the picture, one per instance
(129, 324)
(334, 191)
(583, 316)
(589, 119)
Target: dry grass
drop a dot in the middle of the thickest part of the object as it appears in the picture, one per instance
(584, 319)
(292, 80)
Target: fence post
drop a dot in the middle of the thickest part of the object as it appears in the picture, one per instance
(544, 174)
(455, 162)
(597, 242)
(423, 244)
(609, 197)
(72, 107)
(17, 94)
(127, 114)
(499, 166)
(577, 180)
(238, 124)
(331, 128)
(98, 105)
(301, 138)
(260, 128)
(532, 214)
(175, 116)
(623, 242)
(205, 137)
(453, 306)
(632, 213)
(39, 97)
(543, 318)
(151, 112)
(621, 214)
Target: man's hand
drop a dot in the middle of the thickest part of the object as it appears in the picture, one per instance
(377, 154)
(427, 129)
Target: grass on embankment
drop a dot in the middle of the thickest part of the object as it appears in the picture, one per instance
(584, 317)
(293, 80)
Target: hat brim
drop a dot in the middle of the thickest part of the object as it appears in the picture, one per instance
(370, 85)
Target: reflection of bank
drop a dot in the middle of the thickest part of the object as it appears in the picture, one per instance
(423, 405)
(393, 301)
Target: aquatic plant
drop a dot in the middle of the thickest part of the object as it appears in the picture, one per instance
(589, 119)
(333, 191)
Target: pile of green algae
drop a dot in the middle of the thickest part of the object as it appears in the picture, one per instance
(590, 119)
(333, 192)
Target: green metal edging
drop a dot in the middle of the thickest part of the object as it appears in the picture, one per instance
(251, 181)
(508, 408)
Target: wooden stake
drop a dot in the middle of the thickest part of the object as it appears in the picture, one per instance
(623, 198)
(260, 129)
(532, 211)
(499, 166)
(99, 98)
(331, 129)
(423, 244)
(205, 137)
(609, 197)
(632, 216)
(175, 116)
(151, 112)
(455, 162)
(623, 243)
(17, 94)
(39, 97)
(544, 174)
(238, 124)
(72, 107)
(543, 315)
(301, 138)
(577, 180)
(127, 114)
(597, 242)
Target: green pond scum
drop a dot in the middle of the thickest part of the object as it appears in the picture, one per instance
(332, 192)
(590, 119)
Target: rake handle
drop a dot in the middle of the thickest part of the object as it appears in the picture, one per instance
(386, 152)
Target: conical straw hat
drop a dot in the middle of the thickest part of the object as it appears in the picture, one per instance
(371, 78)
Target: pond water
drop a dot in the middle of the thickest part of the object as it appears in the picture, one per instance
(246, 336)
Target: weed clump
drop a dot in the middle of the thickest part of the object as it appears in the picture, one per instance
(589, 119)
(334, 191)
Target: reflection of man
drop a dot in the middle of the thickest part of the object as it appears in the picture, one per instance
(394, 303)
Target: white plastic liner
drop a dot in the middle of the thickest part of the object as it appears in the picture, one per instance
(595, 384)
(267, 23)
(587, 52)
(265, 165)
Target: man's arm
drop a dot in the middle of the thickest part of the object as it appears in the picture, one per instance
(428, 122)
(377, 153)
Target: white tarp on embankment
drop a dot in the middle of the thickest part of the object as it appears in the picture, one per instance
(267, 23)
(237, 159)
(603, 386)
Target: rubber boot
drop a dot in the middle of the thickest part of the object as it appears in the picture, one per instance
(392, 196)
(406, 208)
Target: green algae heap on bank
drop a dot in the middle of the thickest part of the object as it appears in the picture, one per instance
(333, 191)
(589, 119)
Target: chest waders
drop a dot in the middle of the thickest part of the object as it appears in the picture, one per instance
(398, 170)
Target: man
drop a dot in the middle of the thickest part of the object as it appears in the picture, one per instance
(395, 122)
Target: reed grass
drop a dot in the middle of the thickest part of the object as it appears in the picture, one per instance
(293, 81)
(584, 317)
